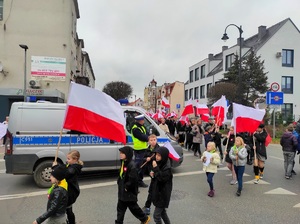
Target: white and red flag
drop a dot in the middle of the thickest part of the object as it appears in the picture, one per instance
(165, 102)
(202, 109)
(246, 119)
(219, 110)
(94, 112)
(158, 115)
(184, 119)
(172, 153)
(188, 109)
(204, 117)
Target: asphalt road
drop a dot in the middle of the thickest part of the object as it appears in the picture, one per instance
(273, 200)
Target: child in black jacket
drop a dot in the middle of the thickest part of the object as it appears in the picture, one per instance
(162, 185)
(57, 198)
(74, 166)
(128, 188)
(149, 157)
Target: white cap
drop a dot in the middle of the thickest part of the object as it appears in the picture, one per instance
(139, 117)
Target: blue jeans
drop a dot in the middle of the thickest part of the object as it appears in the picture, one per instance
(210, 180)
(239, 170)
(288, 162)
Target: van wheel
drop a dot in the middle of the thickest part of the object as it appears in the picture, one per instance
(42, 174)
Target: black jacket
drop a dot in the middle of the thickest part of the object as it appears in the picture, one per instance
(128, 181)
(288, 142)
(56, 205)
(162, 182)
(260, 141)
(72, 174)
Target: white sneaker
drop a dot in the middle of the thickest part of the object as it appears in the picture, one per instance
(256, 181)
(233, 182)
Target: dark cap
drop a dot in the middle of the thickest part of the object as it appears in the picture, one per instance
(59, 172)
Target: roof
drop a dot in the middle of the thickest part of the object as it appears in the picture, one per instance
(254, 43)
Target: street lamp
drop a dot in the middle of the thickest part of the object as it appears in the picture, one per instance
(225, 37)
(25, 47)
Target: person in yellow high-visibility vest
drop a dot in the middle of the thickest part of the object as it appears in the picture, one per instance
(140, 143)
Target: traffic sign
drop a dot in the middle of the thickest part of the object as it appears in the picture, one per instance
(275, 98)
(178, 106)
(275, 86)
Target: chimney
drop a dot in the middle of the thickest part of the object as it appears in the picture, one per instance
(224, 48)
(210, 57)
(262, 30)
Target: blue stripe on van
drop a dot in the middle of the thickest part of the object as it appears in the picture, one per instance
(53, 140)
(66, 140)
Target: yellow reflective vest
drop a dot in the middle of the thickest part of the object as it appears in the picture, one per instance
(138, 144)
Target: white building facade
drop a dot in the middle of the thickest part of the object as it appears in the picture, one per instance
(279, 48)
(47, 31)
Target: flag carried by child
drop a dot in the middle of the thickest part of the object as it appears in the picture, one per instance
(94, 112)
(246, 119)
(172, 153)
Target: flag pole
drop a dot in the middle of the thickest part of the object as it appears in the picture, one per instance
(255, 159)
(147, 161)
(58, 145)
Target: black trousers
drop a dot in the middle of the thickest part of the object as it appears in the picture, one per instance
(149, 198)
(134, 209)
(159, 215)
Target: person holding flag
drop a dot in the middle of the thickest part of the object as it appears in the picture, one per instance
(260, 152)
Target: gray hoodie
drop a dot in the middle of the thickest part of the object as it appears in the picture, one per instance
(242, 155)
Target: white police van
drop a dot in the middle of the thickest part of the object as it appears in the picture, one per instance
(33, 135)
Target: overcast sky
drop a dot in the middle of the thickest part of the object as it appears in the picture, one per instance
(135, 40)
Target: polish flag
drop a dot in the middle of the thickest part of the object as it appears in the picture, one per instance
(220, 110)
(157, 116)
(188, 108)
(184, 119)
(94, 112)
(202, 109)
(246, 118)
(204, 117)
(165, 102)
(172, 153)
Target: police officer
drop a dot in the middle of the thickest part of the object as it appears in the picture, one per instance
(140, 142)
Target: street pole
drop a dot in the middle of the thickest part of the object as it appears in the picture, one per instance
(25, 47)
(274, 122)
(225, 37)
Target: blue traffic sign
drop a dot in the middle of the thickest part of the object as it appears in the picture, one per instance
(274, 98)
(178, 106)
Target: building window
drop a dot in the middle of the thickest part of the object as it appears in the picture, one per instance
(287, 58)
(202, 71)
(196, 93)
(191, 94)
(192, 76)
(287, 84)
(1, 9)
(208, 86)
(196, 74)
(287, 111)
(186, 95)
(202, 91)
(228, 61)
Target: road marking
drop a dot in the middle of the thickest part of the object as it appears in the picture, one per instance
(280, 191)
(2, 160)
(297, 206)
(245, 175)
(2, 171)
(274, 157)
(88, 186)
(260, 182)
